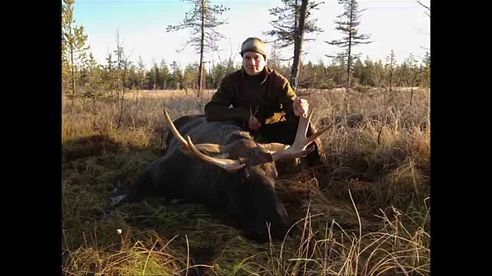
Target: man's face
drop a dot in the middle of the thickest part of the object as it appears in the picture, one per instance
(253, 63)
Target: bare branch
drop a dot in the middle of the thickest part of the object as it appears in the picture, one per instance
(426, 7)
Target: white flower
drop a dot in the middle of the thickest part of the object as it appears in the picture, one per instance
(118, 231)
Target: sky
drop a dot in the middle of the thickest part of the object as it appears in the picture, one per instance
(398, 25)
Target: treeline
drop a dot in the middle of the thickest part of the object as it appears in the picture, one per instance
(410, 73)
(93, 78)
(83, 75)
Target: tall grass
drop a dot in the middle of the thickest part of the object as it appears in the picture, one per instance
(364, 212)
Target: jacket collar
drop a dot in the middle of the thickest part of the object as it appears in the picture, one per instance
(265, 73)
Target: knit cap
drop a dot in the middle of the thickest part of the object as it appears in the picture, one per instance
(253, 44)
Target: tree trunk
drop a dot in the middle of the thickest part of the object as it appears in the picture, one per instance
(299, 34)
(412, 84)
(411, 95)
(120, 116)
(72, 69)
(391, 71)
(391, 79)
(202, 38)
(349, 57)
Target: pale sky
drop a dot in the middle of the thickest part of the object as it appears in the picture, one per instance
(401, 25)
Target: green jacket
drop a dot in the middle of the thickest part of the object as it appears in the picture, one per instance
(268, 97)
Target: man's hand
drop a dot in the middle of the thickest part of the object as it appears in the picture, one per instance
(253, 123)
(301, 107)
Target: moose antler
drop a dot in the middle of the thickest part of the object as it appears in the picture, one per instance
(173, 129)
(280, 151)
(298, 148)
(208, 148)
(188, 148)
(230, 165)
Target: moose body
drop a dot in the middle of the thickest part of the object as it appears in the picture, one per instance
(227, 170)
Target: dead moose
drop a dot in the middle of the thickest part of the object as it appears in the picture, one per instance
(219, 165)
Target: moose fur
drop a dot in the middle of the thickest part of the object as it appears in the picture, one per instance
(247, 195)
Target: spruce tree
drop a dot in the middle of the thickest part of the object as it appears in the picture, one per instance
(348, 23)
(390, 67)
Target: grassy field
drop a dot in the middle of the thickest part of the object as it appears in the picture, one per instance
(365, 212)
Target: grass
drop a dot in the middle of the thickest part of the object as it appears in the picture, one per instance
(365, 212)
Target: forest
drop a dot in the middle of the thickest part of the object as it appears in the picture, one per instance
(83, 75)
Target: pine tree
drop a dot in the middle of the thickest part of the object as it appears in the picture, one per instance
(275, 59)
(390, 67)
(74, 41)
(347, 24)
(411, 74)
(122, 67)
(109, 74)
(176, 78)
(292, 23)
(163, 78)
(369, 71)
(95, 77)
(203, 21)
(152, 77)
(141, 72)
(358, 70)
(426, 71)
(189, 76)
(378, 75)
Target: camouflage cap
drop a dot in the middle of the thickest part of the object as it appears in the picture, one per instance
(253, 44)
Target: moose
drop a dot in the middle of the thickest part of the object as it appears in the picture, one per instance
(220, 165)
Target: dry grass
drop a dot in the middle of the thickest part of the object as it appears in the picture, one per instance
(365, 212)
